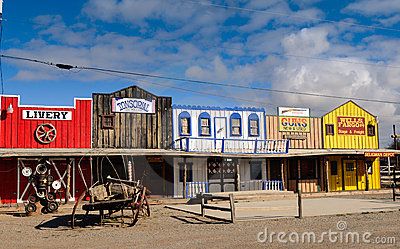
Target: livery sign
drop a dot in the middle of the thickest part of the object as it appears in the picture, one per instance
(351, 125)
(130, 105)
(46, 115)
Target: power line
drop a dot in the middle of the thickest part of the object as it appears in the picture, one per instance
(287, 15)
(189, 90)
(147, 75)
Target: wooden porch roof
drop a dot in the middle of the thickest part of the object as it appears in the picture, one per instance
(161, 152)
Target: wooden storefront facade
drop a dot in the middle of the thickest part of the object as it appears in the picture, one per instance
(351, 127)
(133, 130)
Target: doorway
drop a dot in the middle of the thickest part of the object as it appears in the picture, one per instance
(221, 174)
(349, 175)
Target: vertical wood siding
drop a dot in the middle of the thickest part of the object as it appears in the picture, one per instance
(313, 138)
(336, 141)
(133, 130)
(16, 132)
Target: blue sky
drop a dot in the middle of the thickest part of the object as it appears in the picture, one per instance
(264, 47)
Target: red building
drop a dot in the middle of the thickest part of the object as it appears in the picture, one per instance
(47, 128)
(27, 126)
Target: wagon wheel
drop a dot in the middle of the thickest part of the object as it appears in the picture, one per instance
(141, 207)
(45, 133)
(75, 207)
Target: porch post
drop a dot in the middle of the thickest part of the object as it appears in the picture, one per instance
(283, 174)
(184, 177)
(327, 175)
(298, 176)
(67, 191)
(18, 181)
(366, 176)
(91, 170)
(321, 174)
(73, 178)
(237, 178)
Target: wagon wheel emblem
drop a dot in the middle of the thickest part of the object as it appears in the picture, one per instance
(45, 133)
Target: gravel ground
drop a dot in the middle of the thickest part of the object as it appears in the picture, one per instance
(173, 229)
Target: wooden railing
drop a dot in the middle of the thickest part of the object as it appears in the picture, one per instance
(251, 185)
(232, 146)
(205, 197)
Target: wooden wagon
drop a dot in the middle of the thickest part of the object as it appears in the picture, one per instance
(114, 196)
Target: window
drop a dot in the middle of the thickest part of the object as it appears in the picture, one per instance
(204, 124)
(254, 130)
(255, 170)
(334, 168)
(236, 124)
(349, 166)
(330, 129)
(184, 124)
(107, 121)
(189, 172)
(371, 130)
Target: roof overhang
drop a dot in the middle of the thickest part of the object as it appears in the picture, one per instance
(68, 152)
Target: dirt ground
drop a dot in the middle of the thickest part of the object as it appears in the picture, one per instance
(174, 229)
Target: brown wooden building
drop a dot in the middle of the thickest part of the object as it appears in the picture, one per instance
(132, 118)
(312, 139)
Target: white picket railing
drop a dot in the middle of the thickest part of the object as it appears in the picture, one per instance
(193, 188)
(191, 144)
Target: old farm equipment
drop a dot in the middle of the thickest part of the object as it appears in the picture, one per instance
(113, 197)
(45, 188)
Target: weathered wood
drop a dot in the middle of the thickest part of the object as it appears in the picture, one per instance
(133, 130)
(68, 188)
(202, 207)
(232, 207)
(327, 175)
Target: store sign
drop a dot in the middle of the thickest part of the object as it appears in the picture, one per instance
(351, 125)
(294, 124)
(379, 154)
(46, 115)
(130, 105)
(293, 112)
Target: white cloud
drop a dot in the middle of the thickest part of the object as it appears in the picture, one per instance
(312, 41)
(374, 7)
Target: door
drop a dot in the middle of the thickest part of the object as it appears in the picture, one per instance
(220, 131)
(335, 179)
(221, 174)
(350, 178)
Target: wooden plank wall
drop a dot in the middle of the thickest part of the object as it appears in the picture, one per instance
(16, 132)
(313, 138)
(133, 130)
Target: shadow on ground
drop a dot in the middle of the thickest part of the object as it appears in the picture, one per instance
(197, 221)
(64, 222)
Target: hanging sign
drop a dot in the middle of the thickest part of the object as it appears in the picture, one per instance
(130, 105)
(293, 112)
(351, 125)
(46, 115)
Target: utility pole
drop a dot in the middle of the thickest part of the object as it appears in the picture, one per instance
(394, 185)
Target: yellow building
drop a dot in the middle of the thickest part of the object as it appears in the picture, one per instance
(351, 127)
